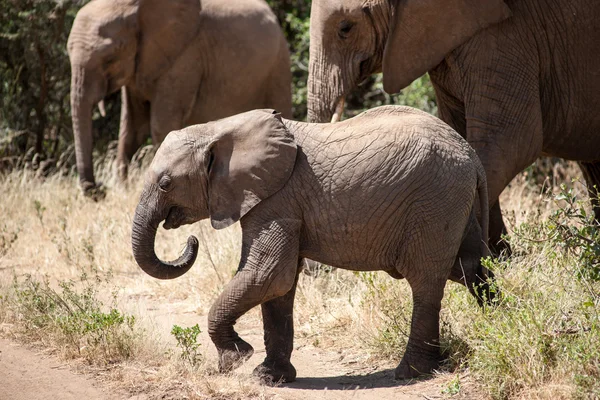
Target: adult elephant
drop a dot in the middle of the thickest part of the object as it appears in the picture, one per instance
(517, 78)
(178, 62)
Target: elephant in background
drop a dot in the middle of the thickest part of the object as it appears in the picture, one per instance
(393, 189)
(517, 79)
(178, 62)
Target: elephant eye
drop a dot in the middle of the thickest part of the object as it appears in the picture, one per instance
(345, 27)
(164, 183)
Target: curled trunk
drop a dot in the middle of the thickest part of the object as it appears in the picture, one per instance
(145, 224)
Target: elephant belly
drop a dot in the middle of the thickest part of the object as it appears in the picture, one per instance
(573, 135)
(367, 243)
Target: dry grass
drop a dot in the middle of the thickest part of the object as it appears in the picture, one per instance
(49, 228)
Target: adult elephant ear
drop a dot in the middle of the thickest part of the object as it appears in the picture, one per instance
(422, 32)
(251, 158)
(166, 29)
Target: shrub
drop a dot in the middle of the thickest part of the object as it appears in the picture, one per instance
(187, 342)
(35, 78)
(72, 318)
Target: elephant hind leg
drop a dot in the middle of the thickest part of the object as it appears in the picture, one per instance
(278, 323)
(591, 173)
(134, 129)
(468, 270)
(422, 353)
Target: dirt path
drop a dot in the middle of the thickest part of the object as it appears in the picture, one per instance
(322, 373)
(27, 375)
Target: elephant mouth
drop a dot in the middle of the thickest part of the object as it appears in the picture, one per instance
(174, 219)
(180, 216)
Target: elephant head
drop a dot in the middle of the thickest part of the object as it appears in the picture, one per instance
(114, 43)
(350, 40)
(219, 170)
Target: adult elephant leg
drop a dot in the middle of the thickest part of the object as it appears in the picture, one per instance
(591, 173)
(164, 119)
(134, 129)
(468, 270)
(278, 323)
(422, 353)
(175, 96)
(504, 126)
(498, 246)
(452, 111)
(279, 87)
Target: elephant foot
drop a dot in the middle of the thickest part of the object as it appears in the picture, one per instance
(236, 355)
(412, 367)
(95, 191)
(277, 371)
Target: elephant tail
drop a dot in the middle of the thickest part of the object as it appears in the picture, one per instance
(484, 215)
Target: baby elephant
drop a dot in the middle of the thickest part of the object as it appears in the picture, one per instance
(393, 189)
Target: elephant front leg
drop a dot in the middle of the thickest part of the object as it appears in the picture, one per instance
(422, 353)
(231, 305)
(267, 274)
(278, 322)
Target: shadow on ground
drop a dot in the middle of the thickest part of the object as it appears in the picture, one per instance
(380, 379)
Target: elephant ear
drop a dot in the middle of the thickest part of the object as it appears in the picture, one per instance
(422, 32)
(251, 158)
(166, 29)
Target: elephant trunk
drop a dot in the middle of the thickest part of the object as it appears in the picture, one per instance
(324, 88)
(145, 224)
(81, 111)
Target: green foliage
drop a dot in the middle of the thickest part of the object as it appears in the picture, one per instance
(74, 317)
(453, 386)
(186, 341)
(393, 303)
(575, 231)
(419, 94)
(35, 77)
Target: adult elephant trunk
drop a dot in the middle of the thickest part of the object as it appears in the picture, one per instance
(145, 224)
(81, 114)
(325, 87)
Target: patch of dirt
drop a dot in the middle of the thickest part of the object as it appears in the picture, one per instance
(27, 375)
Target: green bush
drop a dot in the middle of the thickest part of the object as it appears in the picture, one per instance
(72, 317)
(187, 341)
(35, 78)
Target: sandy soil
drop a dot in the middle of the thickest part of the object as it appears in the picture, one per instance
(29, 375)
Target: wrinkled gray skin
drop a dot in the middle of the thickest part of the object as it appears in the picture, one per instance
(178, 62)
(516, 78)
(393, 189)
